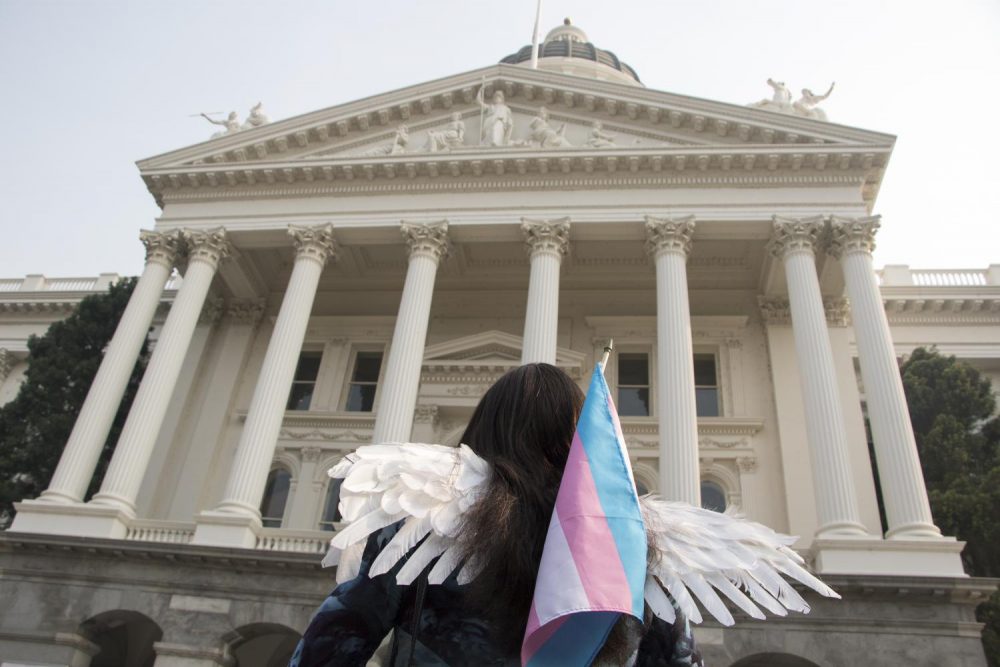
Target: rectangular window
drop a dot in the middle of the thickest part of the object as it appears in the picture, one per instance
(633, 384)
(364, 381)
(304, 383)
(706, 385)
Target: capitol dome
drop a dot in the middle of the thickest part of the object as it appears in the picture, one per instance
(567, 49)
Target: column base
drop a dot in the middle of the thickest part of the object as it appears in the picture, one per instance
(181, 655)
(873, 556)
(226, 529)
(74, 519)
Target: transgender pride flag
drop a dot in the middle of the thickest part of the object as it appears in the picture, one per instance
(593, 566)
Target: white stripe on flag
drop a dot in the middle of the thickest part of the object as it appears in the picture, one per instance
(559, 589)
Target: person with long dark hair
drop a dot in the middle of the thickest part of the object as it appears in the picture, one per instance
(523, 428)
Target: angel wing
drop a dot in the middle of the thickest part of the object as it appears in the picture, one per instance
(427, 487)
(694, 550)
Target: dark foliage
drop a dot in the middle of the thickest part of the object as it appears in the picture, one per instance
(35, 426)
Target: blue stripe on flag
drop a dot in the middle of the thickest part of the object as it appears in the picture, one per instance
(576, 641)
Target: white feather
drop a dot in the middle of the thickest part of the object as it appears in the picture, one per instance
(658, 601)
(697, 550)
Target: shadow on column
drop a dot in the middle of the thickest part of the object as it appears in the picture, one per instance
(125, 638)
(773, 660)
(262, 645)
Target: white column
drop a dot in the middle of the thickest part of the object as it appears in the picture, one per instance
(547, 241)
(205, 249)
(398, 397)
(313, 246)
(836, 505)
(669, 242)
(903, 491)
(79, 458)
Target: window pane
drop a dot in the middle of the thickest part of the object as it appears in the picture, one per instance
(713, 497)
(331, 511)
(366, 366)
(300, 396)
(308, 367)
(633, 369)
(707, 401)
(633, 401)
(704, 370)
(360, 398)
(272, 507)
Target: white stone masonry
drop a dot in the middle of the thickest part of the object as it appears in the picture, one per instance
(905, 495)
(669, 242)
(547, 241)
(83, 449)
(794, 243)
(205, 249)
(428, 244)
(248, 477)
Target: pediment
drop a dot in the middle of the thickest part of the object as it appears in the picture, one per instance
(644, 129)
(491, 349)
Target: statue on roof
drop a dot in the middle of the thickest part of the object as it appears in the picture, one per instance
(806, 105)
(450, 138)
(543, 135)
(498, 121)
(780, 101)
(598, 137)
(232, 124)
(256, 117)
(398, 146)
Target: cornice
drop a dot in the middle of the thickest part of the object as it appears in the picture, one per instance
(924, 309)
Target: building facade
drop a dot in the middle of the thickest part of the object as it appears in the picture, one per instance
(364, 273)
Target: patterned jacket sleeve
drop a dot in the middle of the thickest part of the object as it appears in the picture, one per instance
(669, 644)
(354, 619)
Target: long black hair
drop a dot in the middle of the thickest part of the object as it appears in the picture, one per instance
(523, 428)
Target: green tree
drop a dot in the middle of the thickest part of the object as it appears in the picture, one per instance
(958, 437)
(35, 426)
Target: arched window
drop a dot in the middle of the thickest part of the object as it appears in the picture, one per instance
(272, 507)
(331, 511)
(713, 496)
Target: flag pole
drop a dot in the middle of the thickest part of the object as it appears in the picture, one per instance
(607, 353)
(534, 36)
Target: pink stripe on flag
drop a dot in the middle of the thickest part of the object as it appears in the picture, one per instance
(538, 638)
(589, 536)
(560, 587)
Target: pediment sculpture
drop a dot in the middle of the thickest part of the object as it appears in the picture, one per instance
(781, 101)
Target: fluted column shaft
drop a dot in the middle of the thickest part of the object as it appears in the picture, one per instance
(547, 242)
(135, 445)
(836, 501)
(255, 451)
(903, 490)
(83, 449)
(398, 396)
(669, 242)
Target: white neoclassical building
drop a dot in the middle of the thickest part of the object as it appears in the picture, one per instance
(364, 272)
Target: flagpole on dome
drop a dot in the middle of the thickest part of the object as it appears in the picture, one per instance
(534, 36)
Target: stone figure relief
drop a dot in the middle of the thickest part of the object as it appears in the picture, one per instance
(256, 117)
(232, 124)
(781, 101)
(450, 138)
(397, 147)
(806, 105)
(498, 120)
(599, 138)
(541, 134)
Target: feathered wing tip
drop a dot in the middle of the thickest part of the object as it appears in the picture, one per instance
(426, 487)
(704, 553)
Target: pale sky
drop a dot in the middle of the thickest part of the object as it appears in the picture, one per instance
(89, 87)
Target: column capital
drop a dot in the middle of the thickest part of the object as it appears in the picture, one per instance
(430, 239)
(161, 247)
(669, 235)
(315, 243)
(546, 236)
(246, 311)
(853, 235)
(210, 245)
(795, 234)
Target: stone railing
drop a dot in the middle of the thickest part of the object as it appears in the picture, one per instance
(40, 283)
(151, 530)
(297, 541)
(901, 275)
